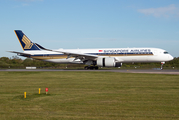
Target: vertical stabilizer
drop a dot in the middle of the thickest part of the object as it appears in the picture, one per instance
(25, 42)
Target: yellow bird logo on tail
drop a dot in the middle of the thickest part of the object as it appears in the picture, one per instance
(27, 42)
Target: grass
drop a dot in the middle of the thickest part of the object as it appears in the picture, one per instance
(89, 95)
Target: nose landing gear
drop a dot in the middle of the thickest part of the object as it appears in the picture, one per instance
(162, 63)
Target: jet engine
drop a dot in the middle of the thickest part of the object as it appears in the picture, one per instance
(108, 62)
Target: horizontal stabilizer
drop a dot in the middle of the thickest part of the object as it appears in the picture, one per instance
(20, 53)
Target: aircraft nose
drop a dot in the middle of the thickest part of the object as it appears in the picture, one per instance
(170, 57)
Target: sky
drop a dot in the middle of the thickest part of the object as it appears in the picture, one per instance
(71, 24)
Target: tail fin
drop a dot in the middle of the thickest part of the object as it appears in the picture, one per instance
(25, 42)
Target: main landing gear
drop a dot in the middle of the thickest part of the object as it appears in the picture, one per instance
(91, 67)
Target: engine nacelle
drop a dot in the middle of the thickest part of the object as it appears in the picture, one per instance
(108, 62)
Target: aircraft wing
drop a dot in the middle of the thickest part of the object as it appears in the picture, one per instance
(71, 54)
(77, 55)
(80, 55)
(20, 53)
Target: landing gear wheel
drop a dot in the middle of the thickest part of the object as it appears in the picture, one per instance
(96, 68)
(86, 67)
(91, 67)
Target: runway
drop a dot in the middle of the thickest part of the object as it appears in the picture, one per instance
(149, 71)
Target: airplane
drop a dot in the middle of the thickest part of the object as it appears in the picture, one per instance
(92, 58)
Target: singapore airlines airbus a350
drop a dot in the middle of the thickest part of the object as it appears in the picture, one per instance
(92, 58)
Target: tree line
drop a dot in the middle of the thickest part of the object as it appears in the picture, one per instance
(16, 62)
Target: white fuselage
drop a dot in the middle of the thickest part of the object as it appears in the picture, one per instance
(124, 55)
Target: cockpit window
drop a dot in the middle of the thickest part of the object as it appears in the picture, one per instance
(165, 52)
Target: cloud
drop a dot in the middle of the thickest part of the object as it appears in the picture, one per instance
(166, 12)
(28, 0)
(25, 3)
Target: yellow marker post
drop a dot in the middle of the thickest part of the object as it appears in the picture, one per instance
(24, 94)
(39, 90)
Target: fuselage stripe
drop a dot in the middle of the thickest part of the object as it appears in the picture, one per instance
(60, 56)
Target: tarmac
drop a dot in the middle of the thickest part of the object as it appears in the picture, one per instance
(149, 71)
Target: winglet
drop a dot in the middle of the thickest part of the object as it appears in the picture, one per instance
(25, 42)
(41, 47)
